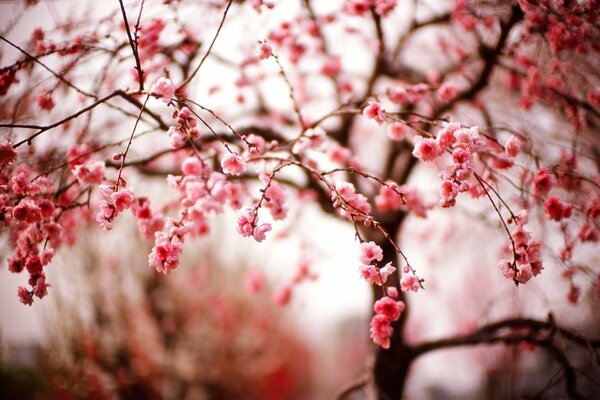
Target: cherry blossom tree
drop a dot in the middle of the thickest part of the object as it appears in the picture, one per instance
(263, 106)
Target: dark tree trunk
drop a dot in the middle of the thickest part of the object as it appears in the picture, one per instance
(392, 365)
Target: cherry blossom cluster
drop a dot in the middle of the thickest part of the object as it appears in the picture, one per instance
(527, 261)
(387, 310)
(361, 7)
(114, 201)
(349, 203)
(149, 37)
(29, 213)
(566, 25)
(185, 130)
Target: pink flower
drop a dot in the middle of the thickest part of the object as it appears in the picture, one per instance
(389, 308)
(409, 283)
(389, 197)
(260, 231)
(263, 51)
(165, 253)
(245, 223)
(122, 199)
(176, 137)
(556, 210)
(233, 164)
(8, 155)
(513, 146)
(44, 101)
(386, 271)
(283, 295)
(357, 7)
(370, 273)
(163, 89)
(40, 288)
(192, 166)
(374, 111)
(381, 330)
(256, 145)
(426, 149)
(331, 67)
(368, 252)
(396, 131)
(398, 94)
(445, 136)
(507, 270)
(90, 173)
(447, 92)
(448, 192)
(384, 7)
(25, 296)
(542, 182)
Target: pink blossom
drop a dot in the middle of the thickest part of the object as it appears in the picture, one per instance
(176, 137)
(233, 164)
(8, 155)
(349, 203)
(414, 201)
(263, 51)
(163, 89)
(386, 271)
(260, 231)
(357, 7)
(105, 215)
(370, 273)
(507, 269)
(256, 145)
(448, 192)
(283, 295)
(542, 182)
(192, 166)
(384, 7)
(397, 131)
(44, 101)
(409, 283)
(331, 67)
(398, 94)
(381, 330)
(40, 287)
(275, 197)
(89, 173)
(311, 139)
(165, 253)
(389, 308)
(447, 92)
(556, 210)
(122, 199)
(513, 146)
(245, 223)
(417, 92)
(524, 273)
(25, 296)
(368, 252)
(588, 233)
(426, 149)
(445, 136)
(374, 111)
(389, 197)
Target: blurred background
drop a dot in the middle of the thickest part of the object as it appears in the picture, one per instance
(284, 319)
